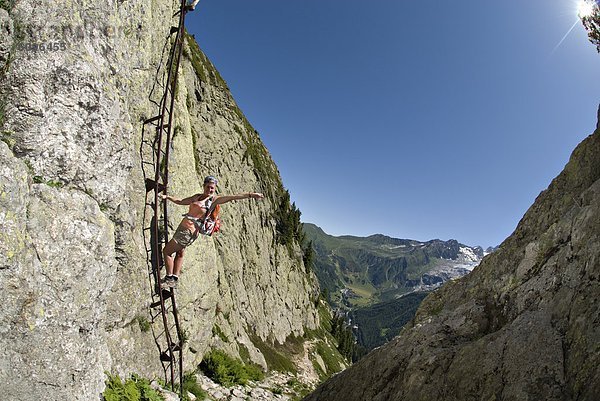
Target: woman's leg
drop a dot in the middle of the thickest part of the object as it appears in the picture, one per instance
(169, 249)
(178, 262)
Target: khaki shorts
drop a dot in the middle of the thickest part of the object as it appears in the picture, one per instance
(184, 236)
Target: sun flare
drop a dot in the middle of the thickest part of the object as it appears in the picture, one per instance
(585, 8)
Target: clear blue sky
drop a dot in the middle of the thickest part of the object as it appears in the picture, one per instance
(414, 119)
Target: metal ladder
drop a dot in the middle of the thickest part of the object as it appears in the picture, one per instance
(154, 154)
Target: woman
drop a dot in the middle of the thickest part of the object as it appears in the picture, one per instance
(188, 229)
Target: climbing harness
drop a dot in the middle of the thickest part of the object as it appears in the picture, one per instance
(154, 154)
(211, 223)
(208, 225)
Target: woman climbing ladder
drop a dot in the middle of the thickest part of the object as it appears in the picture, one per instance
(193, 223)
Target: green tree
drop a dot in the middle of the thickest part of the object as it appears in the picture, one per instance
(592, 24)
(309, 256)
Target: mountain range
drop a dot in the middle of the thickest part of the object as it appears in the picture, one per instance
(378, 282)
(360, 271)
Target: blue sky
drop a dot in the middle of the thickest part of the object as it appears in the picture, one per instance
(414, 119)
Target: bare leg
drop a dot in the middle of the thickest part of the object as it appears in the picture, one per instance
(169, 249)
(178, 262)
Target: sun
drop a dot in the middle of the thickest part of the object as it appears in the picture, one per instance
(585, 8)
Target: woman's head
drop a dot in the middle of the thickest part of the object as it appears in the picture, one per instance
(210, 185)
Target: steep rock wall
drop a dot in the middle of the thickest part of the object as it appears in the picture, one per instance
(524, 325)
(72, 260)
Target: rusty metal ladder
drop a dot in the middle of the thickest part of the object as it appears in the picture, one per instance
(154, 154)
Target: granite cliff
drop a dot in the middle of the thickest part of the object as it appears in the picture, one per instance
(524, 325)
(72, 262)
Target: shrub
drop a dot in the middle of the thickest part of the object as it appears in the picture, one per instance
(133, 389)
(191, 385)
(228, 371)
(144, 324)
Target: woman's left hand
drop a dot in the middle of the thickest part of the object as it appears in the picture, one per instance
(256, 195)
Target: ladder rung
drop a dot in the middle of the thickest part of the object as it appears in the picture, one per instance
(151, 184)
(151, 119)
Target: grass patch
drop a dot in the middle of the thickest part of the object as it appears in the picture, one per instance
(300, 389)
(185, 336)
(38, 179)
(217, 332)
(293, 345)
(275, 360)
(317, 367)
(190, 384)
(195, 58)
(324, 315)
(133, 389)
(201, 64)
(264, 167)
(143, 323)
(244, 353)
(229, 371)
(331, 357)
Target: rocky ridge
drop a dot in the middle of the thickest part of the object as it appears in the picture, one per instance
(276, 387)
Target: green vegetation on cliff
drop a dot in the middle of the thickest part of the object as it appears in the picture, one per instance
(228, 371)
(379, 323)
(203, 67)
(6, 4)
(133, 389)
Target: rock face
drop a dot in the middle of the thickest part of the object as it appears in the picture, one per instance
(524, 325)
(73, 271)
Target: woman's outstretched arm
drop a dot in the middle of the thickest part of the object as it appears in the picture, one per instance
(185, 201)
(228, 198)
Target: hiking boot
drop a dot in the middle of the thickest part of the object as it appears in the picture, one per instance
(167, 282)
